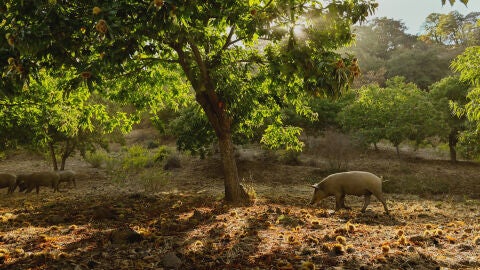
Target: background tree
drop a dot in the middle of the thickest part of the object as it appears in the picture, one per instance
(213, 43)
(59, 123)
(375, 43)
(442, 94)
(397, 113)
(365, 116)
(452, 29)
(384, 50)
(422, 65)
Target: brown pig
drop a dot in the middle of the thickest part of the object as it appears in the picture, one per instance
(67, 176)
(356, 183)
(8, 180)
(35, 180)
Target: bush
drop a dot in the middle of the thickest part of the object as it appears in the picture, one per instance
(154, 181)
(162, 153)
(97, 158)
(290, 157)
(172, 162)
(136, 158)
(338, 149)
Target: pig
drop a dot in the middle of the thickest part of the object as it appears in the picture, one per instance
(35, 180)
(8, 180)
(349, 183)
(67, 176)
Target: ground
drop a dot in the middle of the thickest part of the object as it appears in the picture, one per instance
(107, 224)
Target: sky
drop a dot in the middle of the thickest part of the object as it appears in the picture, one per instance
(414, 12)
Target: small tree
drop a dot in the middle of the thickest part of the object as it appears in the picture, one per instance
(397, 113)
(56, 121)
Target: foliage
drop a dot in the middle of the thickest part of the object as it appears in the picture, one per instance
(52, 120)
(467, 64)
(154, 181)
(468, 143)
(325, 114)
(397, 113)
(234, 78)
(423, 64)
(452, 28)
(385, 50)
(338, 149)
(448, 91)
(97, 158)
(135, 158)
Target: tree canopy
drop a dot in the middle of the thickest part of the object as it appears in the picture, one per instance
(243, 60)
(397, 113)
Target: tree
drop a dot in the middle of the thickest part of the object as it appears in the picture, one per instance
(467, 64)
(214, 43)
(397, 113)
(452, 28)
(423, 64)
(53, 121)
(465, 2)
(443, 93)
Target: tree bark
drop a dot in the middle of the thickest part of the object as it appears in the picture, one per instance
(52, 156)
(69, 147)
(221, 123)
(452, 144)
(234, 191)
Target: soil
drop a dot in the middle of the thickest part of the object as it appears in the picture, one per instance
(104, 223)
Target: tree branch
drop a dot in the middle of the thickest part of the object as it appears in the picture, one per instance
(229, 38)
(201, 64)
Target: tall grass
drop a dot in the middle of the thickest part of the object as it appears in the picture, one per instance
(135, 164)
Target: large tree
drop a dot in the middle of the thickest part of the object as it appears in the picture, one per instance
(215, 44)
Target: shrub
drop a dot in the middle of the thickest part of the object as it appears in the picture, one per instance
(154, 181)
(162, 153)
(136, 158)
(290, 157)
(97, 158)
(338, 149)
(172, 162)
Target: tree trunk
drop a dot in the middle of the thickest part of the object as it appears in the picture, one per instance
(69, 147)
(375, 146)
(215, 110)
(234, 191)
(452, 144)
(397, 147)
(52, 156)
(221, 123)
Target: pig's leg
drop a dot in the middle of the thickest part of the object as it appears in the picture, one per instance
(339, 201)
(366, 203)
(382, 199)
(343, 202)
